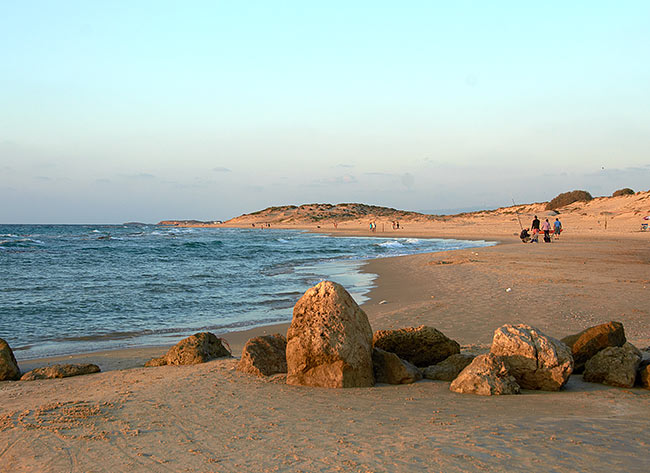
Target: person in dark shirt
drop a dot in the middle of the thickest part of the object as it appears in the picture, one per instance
(535, 224)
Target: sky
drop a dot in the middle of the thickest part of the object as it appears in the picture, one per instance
(148, 110)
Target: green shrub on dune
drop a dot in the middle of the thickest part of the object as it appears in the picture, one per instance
(568, 198)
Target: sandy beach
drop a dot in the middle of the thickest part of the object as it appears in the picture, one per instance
(210, 417)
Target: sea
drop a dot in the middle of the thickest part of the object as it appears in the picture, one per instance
(67, 289)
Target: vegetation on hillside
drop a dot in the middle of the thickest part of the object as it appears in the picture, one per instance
(624, 191)
(567, 198)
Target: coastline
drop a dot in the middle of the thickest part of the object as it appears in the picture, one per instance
(210, 417)
(135, 357)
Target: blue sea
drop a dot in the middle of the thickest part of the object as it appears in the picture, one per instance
(77, 288)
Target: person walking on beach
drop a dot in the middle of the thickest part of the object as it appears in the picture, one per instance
(546, 228)
(557, 228)
(535, 224)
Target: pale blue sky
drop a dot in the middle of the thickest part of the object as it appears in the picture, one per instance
(134, 110)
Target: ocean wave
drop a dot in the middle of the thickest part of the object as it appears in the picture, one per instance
(20, 243)
(390, 244)
(413, 241)
(202, 244)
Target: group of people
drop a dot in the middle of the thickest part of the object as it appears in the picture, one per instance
(536, 229)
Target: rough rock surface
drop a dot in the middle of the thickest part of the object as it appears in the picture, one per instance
(486, 375)
(391, 369)
(264, 356)
(60, 371)
(8, 366)
(449, 369)
(643, 374)
(423, 346)
(587, 343)
(615, 366)
(536, 360)
(329, 342)
(197, 348)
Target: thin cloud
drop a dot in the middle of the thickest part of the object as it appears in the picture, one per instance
(221, 169)
(337, 180)
(142, 175)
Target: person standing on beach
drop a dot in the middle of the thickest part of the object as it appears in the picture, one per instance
(557, 228)
(546, 227)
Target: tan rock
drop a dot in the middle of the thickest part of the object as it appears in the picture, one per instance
(60, 371)
(587, 343)
(8, 366)
(615, 366)
(264, 356)
(197, 348)
(536, 360)
(486, 375)
(422, 346)
(449, 369)
(329, 342)
(643, 374)
(391, 369)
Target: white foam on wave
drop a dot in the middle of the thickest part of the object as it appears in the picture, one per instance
(390, 244)
(412, 241)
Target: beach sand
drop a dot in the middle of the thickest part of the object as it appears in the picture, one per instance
(210, 417)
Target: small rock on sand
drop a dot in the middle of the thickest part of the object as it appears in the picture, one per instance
(587, 343)
(197, 348)
(391, 369)
(60, 371)
(8, 366)
(449, 369)
(264, 356)
(422, 346)
(615, 366)
(486, 375)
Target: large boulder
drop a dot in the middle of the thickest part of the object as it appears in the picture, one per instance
(449, 369)
(391, 369)
(197, 348)
(8, 366)
(423, 346)
(536, 360)
(587, 343)
(643, 374)
(60, 371)
(615, 366)
(264, 356)
(486, 375)
(329, 341)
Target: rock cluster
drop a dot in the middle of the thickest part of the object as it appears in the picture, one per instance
(60, 371)
(197, 348)
(423, 346)
(329, 342)
(8, 366)
(264, 356)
